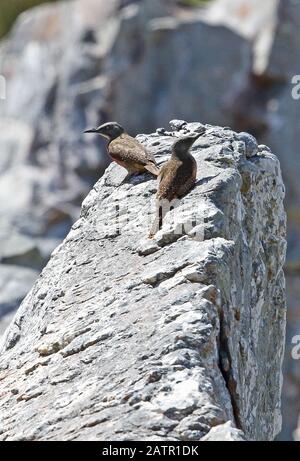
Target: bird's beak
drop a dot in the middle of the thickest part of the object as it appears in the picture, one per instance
(93, 130)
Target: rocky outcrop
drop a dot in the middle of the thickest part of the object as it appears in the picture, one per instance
(73, 64)
(176, 338)
(268, 108)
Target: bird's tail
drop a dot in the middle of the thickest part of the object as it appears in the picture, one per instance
(153, 169)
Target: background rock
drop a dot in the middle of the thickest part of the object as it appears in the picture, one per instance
(186, 334)
(14, 284)
(267, 109)
(75, 64)
(71, 65)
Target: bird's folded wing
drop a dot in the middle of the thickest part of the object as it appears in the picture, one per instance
(129, 151)
(174, 181)
(167, 183)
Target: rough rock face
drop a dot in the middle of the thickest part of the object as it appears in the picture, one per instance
(224, 433)
(67, 67)
(267, 108)
(176, 338)
(74, 64)
(254, 20)
(153, 51)
(44, 169)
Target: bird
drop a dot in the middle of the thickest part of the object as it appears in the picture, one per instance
(176, 178)
(126, 150)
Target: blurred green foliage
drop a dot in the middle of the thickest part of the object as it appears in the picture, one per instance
(10, 9)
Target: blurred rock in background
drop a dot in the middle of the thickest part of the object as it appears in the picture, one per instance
(74, 64)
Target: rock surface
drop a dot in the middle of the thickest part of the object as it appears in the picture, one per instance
(67, 68)
(224, 433)
(268, 108)
(176, 338)
(77, 63)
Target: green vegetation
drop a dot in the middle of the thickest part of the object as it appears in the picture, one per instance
(10, 9)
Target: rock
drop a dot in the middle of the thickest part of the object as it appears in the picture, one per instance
(297, 433)
(52, 64)
(282, 65)
(162, 86)
(254, 20)
(67, 68)
(268, 107)
(178, 343)
(70, 65)
(15, 283)
(251, 147)
(224, 432)
(18, 249)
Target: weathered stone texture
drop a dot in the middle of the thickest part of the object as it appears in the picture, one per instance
(125, 338)
(70, 65)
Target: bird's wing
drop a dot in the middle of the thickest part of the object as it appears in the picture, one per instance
(167, 182)
(174, 181)
(126, 148)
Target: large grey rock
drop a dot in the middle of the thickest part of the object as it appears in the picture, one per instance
(82, 62)
(15, 282)
(166, 67)
(52, 63)
(266, 107)
(124, 338)
(254, 20)
(282, 114)
(79, 63)
(74, 64)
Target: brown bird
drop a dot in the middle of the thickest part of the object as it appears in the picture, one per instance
(125, 150)
(176, 178)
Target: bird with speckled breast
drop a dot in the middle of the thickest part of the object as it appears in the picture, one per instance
(176, 178)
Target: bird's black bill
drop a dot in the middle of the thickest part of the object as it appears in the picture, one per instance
(93, 130)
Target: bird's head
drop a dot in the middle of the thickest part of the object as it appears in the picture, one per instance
(110, 130)
(182, 145)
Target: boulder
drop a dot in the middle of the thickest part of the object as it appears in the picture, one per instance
(75, 64)
(224, 433)
(71, 65)
(176, 338)
(173, 65)
(269, 107)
